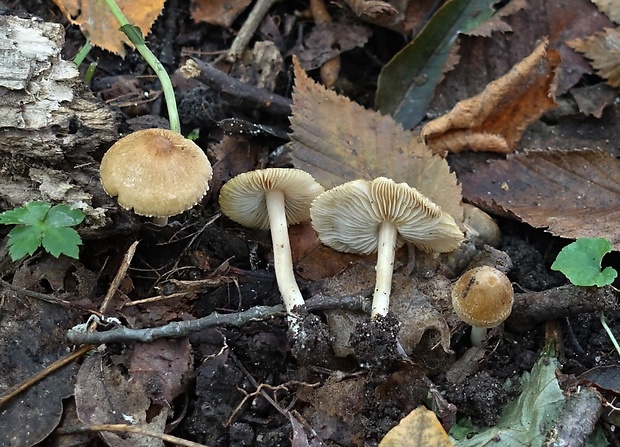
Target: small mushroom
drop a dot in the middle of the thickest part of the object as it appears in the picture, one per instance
(380, 215)
(482, 297)
(273, 198)
(156, 172)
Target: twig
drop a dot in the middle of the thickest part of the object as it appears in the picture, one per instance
(122, 428)
(250, 97)
(32, 294)
(30, 381)
(259, 11)
(120, 274)
(331, 68)
(177, 329)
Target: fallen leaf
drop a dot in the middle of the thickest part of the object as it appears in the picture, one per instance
(593, 99)
(104, 395)
(603, 49)
(376, 11)
(328, 40)
(217, 12)
(99, 25)
(419, 428)
(611, 8)
(572, 194)
(161, 367)
(495, 119)
(337, 140)
(407, 83)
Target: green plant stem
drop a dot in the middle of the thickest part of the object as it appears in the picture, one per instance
(81, 55)
(609, 333)
(88, 76)
(149, 57)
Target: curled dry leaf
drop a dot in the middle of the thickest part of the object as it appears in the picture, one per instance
(603, 49)
(376, 11)
(495, 119)
(337, 140)
(99, 25)
(572, 194)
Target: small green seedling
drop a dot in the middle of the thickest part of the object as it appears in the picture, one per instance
(581, 262)
(40, 223)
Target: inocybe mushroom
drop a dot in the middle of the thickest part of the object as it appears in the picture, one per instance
(156, 172)
(273, 198)
(482, 297)
(380, 215)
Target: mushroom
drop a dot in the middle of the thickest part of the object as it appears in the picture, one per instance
(156, 172)
(273, 198)
(482, 297)
(380, 215)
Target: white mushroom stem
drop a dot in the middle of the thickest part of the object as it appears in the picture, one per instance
(478, 335)
(282, 258)
(161, 221)
(385, 267)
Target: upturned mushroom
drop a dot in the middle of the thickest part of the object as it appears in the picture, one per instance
(380, 215)
(273, 198)
(156, 172)
(482, 297)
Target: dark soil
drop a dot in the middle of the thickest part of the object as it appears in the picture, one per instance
(376, 386)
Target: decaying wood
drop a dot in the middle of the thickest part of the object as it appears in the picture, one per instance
(49, 123)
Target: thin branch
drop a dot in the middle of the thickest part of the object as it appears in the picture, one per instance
(177, 329)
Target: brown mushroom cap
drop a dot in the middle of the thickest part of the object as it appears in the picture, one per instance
(156, 172)
(243, 200)
(482, 297)
(347, 217)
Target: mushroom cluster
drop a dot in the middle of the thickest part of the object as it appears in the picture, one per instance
(156, 172)
(379, 216)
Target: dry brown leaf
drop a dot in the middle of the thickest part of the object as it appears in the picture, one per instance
(495, 119)
(419, 428)
(603, 49)
(337, 140)
(611, 8)
(376, 11)
(99, 25)
(217, 12)
(572, 194)
(497, 23)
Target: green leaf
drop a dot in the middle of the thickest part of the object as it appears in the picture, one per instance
(28, 214)
(63, 216)
(407, 83)
(526, 420)
(62, 240)
(23, 240)
(581, 262)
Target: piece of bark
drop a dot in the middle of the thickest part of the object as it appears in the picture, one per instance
(50, 122)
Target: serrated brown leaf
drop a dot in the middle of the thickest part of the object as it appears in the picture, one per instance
(337, 140)
(572, 194)
(603, 49)
(611, 8)
(495, 119)
(99, 25)
(217, 12)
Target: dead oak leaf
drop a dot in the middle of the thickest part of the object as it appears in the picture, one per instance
(572, 194)
(495, 119)
(611, 8)
(337, 140)
(99, 25)
(603, 49)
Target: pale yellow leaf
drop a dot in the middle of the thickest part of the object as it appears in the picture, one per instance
(603, 49)
(420, 428)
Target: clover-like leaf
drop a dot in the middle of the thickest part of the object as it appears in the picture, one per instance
(61, 241)
(581, 262)
(24, 240)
